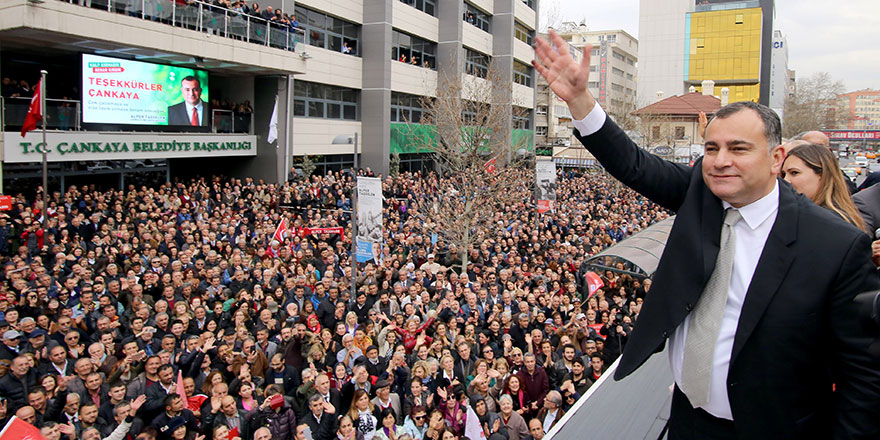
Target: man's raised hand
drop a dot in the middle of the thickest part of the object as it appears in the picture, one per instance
(566, 77)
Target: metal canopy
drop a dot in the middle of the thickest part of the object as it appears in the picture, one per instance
(636, 407)
(642, 250)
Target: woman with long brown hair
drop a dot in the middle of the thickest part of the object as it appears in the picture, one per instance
(814, 172)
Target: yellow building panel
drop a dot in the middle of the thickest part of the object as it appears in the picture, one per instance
(730, 50)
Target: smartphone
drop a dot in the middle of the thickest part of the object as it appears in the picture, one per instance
(307, 433)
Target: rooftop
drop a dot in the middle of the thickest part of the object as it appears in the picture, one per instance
(690, 104)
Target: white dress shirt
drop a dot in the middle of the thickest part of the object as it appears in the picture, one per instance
(751, 234)
(189, 111)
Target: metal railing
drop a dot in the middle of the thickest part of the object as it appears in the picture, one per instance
(228, 121)
(205, 17)
(65, 115)
(61, 114)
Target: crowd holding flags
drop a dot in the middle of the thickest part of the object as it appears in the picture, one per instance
(283, 231)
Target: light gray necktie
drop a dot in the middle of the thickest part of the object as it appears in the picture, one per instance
(705, 320)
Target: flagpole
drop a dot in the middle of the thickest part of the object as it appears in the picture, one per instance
(354, 220)
(45, 153)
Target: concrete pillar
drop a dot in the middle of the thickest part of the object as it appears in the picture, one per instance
(270, 157)
(375, 143)
(502, 59)
(450, 54)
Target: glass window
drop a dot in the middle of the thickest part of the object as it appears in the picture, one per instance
(523, 33)
(476, 63)
(410, 49)
(329, 32)
(315, 100)
(407, 107)
(427, 6)
(476, 17)
(522, 73)
(522, 118)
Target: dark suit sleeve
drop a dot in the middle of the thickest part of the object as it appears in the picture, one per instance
(856, 372)
(661, 181)
(175, 114)
(867, 203)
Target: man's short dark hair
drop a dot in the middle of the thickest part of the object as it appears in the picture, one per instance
(192, 78)
(169, 399)
(772, 125)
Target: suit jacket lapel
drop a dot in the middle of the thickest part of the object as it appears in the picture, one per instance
(773, 266)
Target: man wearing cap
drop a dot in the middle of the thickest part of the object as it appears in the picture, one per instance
(36, 341)
(376, 365)
(431, 265)
(10, 348)
(16, 384)
(386, 399)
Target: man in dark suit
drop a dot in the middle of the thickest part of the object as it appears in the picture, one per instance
(328, 394)
(321, 418)
(192, 111)
(788, 358)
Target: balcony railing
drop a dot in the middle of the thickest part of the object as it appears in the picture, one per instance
(65, 115)
(61, 114)
(204, 17)
(227, 121)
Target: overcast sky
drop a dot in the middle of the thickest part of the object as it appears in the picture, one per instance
(839, 38)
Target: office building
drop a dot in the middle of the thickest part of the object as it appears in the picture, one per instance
(686, 42)
(859, 110)
(348, 67)
(613, 59)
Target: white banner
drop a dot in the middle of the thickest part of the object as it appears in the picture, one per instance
(545, 183)
(67, 146)
(369, 219)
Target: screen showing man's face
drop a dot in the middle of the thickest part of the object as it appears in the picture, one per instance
(192, 91)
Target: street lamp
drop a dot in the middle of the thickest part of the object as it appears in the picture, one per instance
(341, 140)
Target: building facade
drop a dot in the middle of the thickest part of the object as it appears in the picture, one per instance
(860, 109)
(405, 49)
(687, 42)
(781, 77)
(340, 68)
(613, 61)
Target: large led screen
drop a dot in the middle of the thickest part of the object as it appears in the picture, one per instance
(117, 91)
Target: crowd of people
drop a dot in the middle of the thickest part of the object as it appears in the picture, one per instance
(163, 313)
(12, 88)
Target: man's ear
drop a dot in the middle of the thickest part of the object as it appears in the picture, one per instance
(778, 156)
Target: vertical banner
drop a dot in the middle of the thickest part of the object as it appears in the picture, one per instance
(545, 182)
(369, 219)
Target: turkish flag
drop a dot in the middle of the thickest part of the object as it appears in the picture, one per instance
(18, 429)
(35, 112)
(490, 166)
(278, 236)
(594, 282)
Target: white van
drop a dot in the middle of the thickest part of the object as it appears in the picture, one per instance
(862, 161)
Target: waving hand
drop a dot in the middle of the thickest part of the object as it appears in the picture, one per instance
(567, 78)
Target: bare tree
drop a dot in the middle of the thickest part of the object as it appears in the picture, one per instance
(813, 105)
(550, 16)
(482, 169)
(621, 110)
